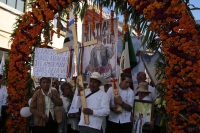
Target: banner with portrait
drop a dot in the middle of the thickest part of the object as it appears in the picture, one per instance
(100, 57)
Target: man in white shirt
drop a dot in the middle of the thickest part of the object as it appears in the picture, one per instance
(3, 101)
(141, 77)
(97, 105)
(119, 122)
(143, 94)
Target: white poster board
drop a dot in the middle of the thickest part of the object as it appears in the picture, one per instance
(47, 63)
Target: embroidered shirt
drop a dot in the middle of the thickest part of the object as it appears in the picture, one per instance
(128, 98)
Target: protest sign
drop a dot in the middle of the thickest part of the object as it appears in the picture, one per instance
(47, 63)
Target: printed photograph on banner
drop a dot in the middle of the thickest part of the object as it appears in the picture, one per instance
(100, 57)
(143, 115)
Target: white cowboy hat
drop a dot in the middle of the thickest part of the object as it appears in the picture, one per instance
(143, 87)
(97, 76)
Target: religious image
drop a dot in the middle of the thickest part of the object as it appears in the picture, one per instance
(143, 112)
(100, 57)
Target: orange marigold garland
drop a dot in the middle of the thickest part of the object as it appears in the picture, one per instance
(176, 30)
(67, 22)
(26, 36)
(85, 25)
(58, 27)
(125, 27)
(100, 15)
(180, 42)
(93, 19)
(112, 22)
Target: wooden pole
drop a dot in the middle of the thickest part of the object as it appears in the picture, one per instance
(80, 78)
(116, 92)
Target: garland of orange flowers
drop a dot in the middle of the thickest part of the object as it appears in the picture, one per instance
(180, 43)
(100, 15)
(29, 27)
(112, 22)
(67, 22)
(85, 25)
(51, 35)
(93, 19)
(125, 22)
(58, 27)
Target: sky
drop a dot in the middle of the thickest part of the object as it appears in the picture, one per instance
(196, 13)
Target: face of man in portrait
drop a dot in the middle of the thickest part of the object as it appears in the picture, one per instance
(99, 42)
(140, 116)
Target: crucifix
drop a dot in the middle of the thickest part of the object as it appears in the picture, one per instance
(79, 77)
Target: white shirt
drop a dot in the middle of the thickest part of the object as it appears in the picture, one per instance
(3, 95)
(140, 123)
(65, 103)
(128, 98)
(99, 103)
(47, 100)
(72, 121)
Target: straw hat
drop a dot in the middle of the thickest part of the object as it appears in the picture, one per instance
(97, 76)
(143, 87)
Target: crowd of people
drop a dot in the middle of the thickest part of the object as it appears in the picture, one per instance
(102, 106)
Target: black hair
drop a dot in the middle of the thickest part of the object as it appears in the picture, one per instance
(1, 76)
(125, 75)
(64, 84)
(45, 78)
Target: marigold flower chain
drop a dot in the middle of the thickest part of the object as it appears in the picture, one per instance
(28, 30)
(100, 15)
(176, 30)
(112, 22)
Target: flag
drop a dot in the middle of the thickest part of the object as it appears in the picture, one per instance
(149, 63)
(2, 64)
(128, 58)
(68, 41)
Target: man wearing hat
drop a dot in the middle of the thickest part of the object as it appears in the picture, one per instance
(141, 77)
(119, 122)
(97, 105)
(143, 92)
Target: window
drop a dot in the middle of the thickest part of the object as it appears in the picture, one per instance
(17, 4)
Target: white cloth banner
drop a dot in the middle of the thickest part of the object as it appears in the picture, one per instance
(47, 63)
(149, 61)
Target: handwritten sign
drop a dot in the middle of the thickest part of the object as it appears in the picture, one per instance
(49, 64)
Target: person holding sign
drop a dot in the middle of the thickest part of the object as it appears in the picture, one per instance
(97, 105)
(119, 121)
(42, 107)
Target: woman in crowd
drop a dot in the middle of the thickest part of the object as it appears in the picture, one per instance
(42, 107)
(72, 119)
